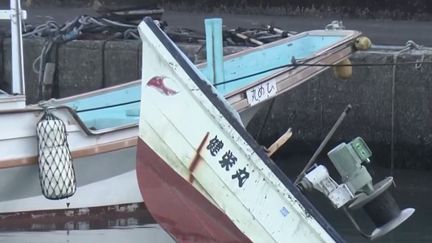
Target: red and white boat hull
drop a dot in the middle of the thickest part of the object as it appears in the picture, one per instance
(201, 174)
(171, 200)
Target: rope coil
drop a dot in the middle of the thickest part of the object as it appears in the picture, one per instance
(383, 209)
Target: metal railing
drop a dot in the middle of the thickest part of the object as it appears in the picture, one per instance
(16, 15)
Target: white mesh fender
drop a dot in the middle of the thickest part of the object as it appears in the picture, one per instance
(56, 172)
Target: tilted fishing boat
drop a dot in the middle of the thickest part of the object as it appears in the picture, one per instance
(202, 176)
(101, 127)
(205, 179)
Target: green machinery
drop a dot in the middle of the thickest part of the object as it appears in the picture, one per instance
(356, 189)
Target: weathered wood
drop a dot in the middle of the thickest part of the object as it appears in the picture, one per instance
(279, 142)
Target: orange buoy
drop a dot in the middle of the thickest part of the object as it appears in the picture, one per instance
(343, 71)
(362, 43)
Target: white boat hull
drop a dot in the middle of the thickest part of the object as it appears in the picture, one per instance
(102, 180)
(104, 165)
(200, 172)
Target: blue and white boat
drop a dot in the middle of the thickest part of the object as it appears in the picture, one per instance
(101, 127)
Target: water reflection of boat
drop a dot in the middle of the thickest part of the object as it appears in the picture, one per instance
(101, 126)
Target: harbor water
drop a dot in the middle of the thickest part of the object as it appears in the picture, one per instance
(413, 189)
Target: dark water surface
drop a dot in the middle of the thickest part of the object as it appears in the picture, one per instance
(414, 189)
(146, 233)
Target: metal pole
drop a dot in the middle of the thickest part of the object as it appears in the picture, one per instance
(18, 81)
(323, 143)
(214, 49)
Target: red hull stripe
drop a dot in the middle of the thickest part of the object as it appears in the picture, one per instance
(177, 206)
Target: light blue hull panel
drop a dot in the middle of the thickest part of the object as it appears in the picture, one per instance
(120, 107)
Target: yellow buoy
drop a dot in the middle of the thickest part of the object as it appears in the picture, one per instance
(343, 71)
(362, 43)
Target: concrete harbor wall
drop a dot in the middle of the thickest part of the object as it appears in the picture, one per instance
(392, 9)
(388, 104)
(84, 65)
(312, 108)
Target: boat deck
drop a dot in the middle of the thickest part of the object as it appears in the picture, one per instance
(119, 106)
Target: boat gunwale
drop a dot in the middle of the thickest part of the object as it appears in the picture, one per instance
(8, 97)
(75, 116)
(325, 53)
(79, 153)
(240, 96)
(351, 34)
(96, 92)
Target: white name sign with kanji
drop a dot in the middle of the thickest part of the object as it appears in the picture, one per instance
(227, 161)
(261, 92)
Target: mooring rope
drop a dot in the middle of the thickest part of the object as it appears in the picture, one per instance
(416, 63)
(410, 45)
(108, 106)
